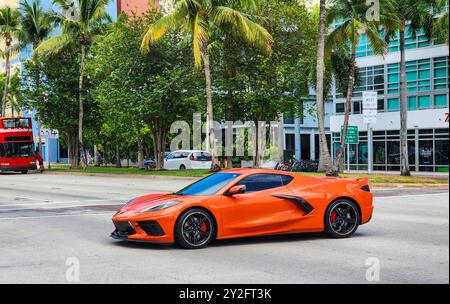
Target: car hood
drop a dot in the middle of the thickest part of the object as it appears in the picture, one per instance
(144, 202)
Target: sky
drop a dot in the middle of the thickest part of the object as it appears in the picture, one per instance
(111, 7)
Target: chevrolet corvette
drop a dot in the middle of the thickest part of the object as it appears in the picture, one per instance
(246, 202)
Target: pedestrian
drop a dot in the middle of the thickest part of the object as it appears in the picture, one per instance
(39, 160)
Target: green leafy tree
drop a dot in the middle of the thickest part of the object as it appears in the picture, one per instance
(138, 90)
(15, 99)
(349, 17)
(56, 99)
(440, 25)
(259, 87)
(79, 27)
(9, 35)
(200, 18)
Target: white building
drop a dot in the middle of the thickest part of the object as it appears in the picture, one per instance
(428, 95)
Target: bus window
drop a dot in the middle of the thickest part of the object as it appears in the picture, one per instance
(16, 123)
(11, 150)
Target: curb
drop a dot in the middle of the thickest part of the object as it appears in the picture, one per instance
(140, 176)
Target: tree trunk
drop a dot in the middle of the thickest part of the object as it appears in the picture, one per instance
(96, 156)
(325, 163)
(158, 131)
(38, 85)
(72, 147)
(140, 150)
(118, 164)
(7, 76)
(81, 108)
(404, 161)
(347, 109)
(210, 109)
(229, 136)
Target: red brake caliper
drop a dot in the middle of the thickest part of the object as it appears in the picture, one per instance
(333, 216)
(204, 227)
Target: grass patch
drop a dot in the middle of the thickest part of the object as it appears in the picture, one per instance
(373, 179)
(130, 171)
(387, 178)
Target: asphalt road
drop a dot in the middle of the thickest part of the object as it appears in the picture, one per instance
(47, 220)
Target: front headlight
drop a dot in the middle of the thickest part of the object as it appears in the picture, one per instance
(161, 206)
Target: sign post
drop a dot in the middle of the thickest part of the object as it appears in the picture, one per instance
(370, 111)
(351, 139)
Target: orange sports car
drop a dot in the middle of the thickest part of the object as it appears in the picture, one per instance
(246, 202)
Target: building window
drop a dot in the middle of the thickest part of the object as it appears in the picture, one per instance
(418, 75)
(370, 79)
(424, 102)
(356, 107)
(393, 104)
(340, 108)
(440, 73)
(380, 104)
(440, 100)
(412, 103)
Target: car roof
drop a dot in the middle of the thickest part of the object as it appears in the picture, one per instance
(256, 170)
(190, 151)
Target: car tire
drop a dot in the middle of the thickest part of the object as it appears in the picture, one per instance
(24, 171)
(182, 167)
(194, 229)
(342, 219)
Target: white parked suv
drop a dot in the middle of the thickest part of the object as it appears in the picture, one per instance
(188, 159)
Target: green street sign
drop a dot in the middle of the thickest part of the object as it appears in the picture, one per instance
(352, 135)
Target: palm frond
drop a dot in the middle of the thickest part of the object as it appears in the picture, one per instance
(251, 31)
(199, 37)
(54, 44)
(157, 30)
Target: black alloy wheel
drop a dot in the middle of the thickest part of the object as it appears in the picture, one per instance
(194, 229)
(342, 219)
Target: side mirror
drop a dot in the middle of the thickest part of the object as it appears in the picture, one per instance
(236, 190)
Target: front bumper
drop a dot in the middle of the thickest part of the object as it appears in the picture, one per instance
(18, 169)
(158, 229)
(116, 236)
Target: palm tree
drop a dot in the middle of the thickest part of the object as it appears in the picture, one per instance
(35, 27)
(200, 18)
(325, 163)
(353, 23)
(81, 23)
(418, 14)
(440, 26)
(9, 33)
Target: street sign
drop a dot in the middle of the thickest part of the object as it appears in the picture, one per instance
(49, 134)
(352, 135)
(370, 107)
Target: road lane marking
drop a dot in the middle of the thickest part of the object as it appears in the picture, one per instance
(54, 216)
(67, 202)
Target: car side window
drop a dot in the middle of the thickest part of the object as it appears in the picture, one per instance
(170, 156)
(260, 182)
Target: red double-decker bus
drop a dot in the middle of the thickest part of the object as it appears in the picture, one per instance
(16, 145)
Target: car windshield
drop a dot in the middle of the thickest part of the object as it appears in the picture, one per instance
(209, 185)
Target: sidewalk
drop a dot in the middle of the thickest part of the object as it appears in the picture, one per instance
(434, 175)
